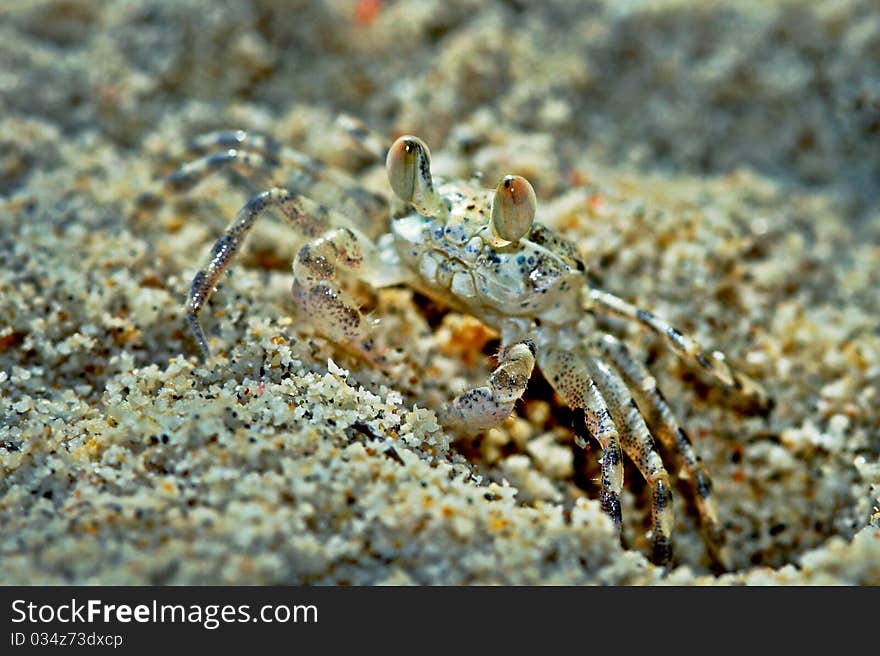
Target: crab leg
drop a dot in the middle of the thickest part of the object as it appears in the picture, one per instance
(315, 262)
(225, 248)
(673, 436)
(325, 183)
(484, 407)
(684, 346)
(191, 173)
(251, 153)
(567, 372)
(235, 139)
(368, 140)
(637, 442)
(365, 138)
(317, 290)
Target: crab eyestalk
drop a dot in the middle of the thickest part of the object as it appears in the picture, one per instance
(513, 208)
(409, 172)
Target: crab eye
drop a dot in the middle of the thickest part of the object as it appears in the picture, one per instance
(407, 161)
(513, 208)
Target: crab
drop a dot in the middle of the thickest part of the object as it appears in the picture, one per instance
(481, 252)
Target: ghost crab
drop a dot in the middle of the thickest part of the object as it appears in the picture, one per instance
(479, 252)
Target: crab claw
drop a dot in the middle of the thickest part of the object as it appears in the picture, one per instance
(513, 208)
(409, 172)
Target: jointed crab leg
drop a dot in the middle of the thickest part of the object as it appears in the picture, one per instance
(686, 347)
(637, 442)
(328, 184)
(314, 268)
(225, 248)
(568, 373)
(367, 139)
(317, 289)
(191, 173)
(251, 153)
(235, 139)
(668, 430)
(484, 407)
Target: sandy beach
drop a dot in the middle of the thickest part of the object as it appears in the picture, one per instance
(717, 164)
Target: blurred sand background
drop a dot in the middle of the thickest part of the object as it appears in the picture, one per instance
(716, 162)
